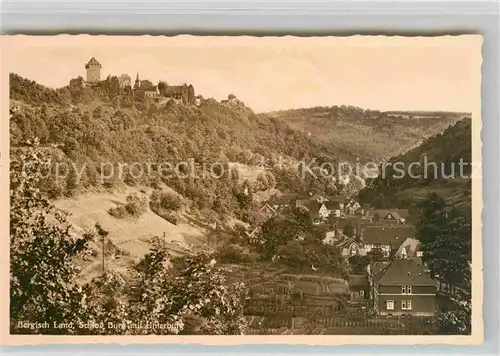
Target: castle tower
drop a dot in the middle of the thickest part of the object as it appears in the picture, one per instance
(93, 68)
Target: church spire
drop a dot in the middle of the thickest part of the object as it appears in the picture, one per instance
(137, 82)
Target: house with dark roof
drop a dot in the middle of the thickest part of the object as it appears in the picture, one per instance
(353, 207)
(358, 288)
(386, 237)
(317, 211)
(402, 287)
(390, 215)
(334, 208)
(342, 200)
(283, 201)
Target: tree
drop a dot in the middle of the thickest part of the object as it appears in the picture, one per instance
(244, 195)
(186, 290)
(162, 85)
(376, 255)
(261, 182)
(445, 235)
(438, 228)
(456, 317)
(43, 278)
(359, 263)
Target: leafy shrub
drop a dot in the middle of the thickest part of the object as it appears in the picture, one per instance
(119, 212)
(136, 206)
(233, 253)
(169, 216)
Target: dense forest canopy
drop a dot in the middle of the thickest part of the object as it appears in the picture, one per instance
(439, 159)
(374, 134)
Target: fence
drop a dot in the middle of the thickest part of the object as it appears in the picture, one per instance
(335, 325)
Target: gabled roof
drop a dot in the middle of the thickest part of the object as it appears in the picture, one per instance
(331, 205)
(403, 271)
(352, 201)
(346, 241)
(173, 90)
(339, 198)
(92, 61)
(285, 199)
(340, 223)
(410, 247)
(267, 206)
(396, 213)
(393, 235)
(312, 206)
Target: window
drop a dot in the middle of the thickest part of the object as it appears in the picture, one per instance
(406, 304)
(361, 293)
(390, 304)
(405, 289)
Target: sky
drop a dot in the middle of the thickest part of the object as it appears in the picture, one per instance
(273, 73)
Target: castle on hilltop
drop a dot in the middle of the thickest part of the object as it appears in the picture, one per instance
(143, 88)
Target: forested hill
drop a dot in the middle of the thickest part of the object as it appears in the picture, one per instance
(370, 133)
(101, 126)
(447, 150)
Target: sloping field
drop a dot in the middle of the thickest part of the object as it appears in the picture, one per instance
(129, 234)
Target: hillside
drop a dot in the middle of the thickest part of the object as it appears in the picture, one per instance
(124, 140)
(80, 119)
(446, 150)
(370, 134)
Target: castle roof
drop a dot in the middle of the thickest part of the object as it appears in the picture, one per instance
(92, 62)
(173, 90)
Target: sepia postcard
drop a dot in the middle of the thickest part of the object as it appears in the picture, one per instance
(241, 190)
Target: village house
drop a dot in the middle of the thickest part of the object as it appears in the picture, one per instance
(268, 211)
(283, 202)
(389, 215)
(317, 197)
(334, 208)
(253, 235)
(386, 237)
(359, 288)
(342, 201)
(353, 207)
(331, 237)
(402, 287)
(317, 211)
